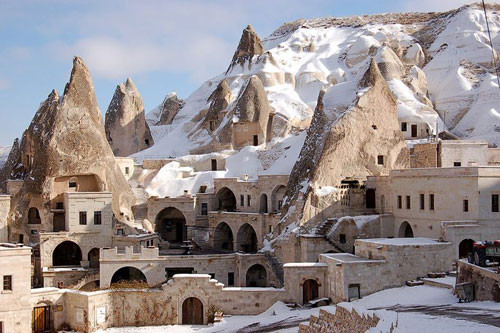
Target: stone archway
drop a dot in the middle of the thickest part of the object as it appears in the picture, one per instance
(310, 290)
(226, 200)
(277, 198)
(465, 247)
(93, 258)
(247, 239)
(405, 230)
(256, 276)
(129, 274)
(223, 237)
(192, 311)
(170, 224)
(263, 203)
(67, 253)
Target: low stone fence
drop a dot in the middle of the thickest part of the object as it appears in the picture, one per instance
(486, 281)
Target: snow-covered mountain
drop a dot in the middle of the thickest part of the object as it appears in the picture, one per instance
(4, 153)
(439, 67)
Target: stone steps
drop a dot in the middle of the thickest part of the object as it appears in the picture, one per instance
(276, 266)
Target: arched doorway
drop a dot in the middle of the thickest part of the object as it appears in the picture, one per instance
(247, 239)
(67, 254)
(256, 276)
(34, 216)
(405, 230)
(370, 198)
(192, 311)
(223, 237)
(171, 225)
(309, 290)
(128, 274)
(226, 199)
(93, 258)
(263, 203)
(465, 247)
(277, 198)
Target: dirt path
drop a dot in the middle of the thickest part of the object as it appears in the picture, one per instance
(482, 316)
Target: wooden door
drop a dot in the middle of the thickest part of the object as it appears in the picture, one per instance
(414, 131)
(41, 319)
(192, 312)
(310, 290)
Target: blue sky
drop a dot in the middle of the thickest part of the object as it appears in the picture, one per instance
(164, 46)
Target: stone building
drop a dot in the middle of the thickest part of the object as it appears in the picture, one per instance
(451, 153)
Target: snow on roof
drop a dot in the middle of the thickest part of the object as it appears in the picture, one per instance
(196, 276)
(306, 264)
(347, 257)
(401, 241)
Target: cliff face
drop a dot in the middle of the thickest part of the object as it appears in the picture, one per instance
(350, 138)
(66, 138)
(126, 128)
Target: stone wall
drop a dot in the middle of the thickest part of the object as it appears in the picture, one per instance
(156, 164)
(486, 282)
(424, 155)
(297, 273)
(4, 215)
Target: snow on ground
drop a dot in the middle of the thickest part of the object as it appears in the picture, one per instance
(4, 154)
(404, 296)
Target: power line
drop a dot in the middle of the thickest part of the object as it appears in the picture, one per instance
(491, 44)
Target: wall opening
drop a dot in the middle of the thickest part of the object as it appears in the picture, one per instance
(128, 274)
(256, 276)
(263, 203)
(34, 216)
(465, 247)
(67, 254)
(223, 237)
(247, 239)
(41, 319)
(405, 230)
(309, 290)
(192, 311)
(93, 258)
(277, 198)
(370, 198)
(171, 225)
(255, 140)
(226, 199)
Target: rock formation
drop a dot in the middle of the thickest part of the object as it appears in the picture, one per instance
(126, 128)
(344, 143)
(10, 166)
(219, 101)
(66, 138)
(169, 109)
(249, 46)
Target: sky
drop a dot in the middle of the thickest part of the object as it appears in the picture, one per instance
(163, 45)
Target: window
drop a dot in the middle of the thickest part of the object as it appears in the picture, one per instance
(242, 200)
(83, 218)
(72, 184)
(212, 275)
(404, 127)
(431, 201)
(494, 203)
(214, 164)
(21, 238)
(408, 202)
(422, 201)
(342, 239)
(59, 205)
(400, 202)
(119, 232)
(466, 205)
(127, 170)
(34, 232)
(212, 125)
(97, 217)
(7, 282)
(248, 199)
(1, 326)
(270, 229)
(204, 208)
(457, 164)
(380, 159)
(230, 279)
(146, 141)
(203, 189)
(255, 140)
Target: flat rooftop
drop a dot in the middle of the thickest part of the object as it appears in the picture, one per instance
(347, 257)
(466, 171)
(11, 246)
(401, 241)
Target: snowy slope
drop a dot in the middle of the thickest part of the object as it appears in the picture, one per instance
(4, 154)
(453, 81)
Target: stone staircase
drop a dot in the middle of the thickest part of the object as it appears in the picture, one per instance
(200, 241)
(276, 265)
(89, 277)
(326, 229)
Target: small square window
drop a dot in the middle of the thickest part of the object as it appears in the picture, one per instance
(72, 184)
(59, 205)
(7, 282)
(119, 232)
(83, 218)
(212, 275)
(204, 208)
(380, 159)
(466, 205)
(146, 141)
(203, 189)
(457, 164)
(342, 239)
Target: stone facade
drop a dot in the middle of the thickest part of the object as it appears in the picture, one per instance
(486, 281)
(126, 165)
(4, 215)
(296, 274)
(15, 311)
(450, 153)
